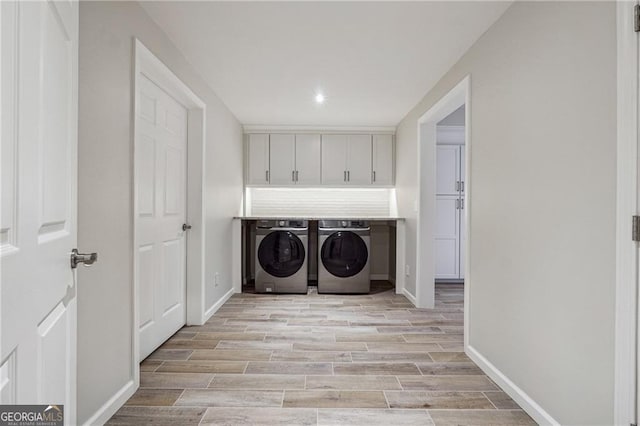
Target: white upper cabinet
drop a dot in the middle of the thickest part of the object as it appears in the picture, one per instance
(307, 159)
(359, 160)
(258, 159)
(447, 169)
(334, 159)
(287, 159)
(382, 160)
(282, 159)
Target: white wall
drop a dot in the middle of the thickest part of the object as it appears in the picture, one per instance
(107, 30)
(543, 135)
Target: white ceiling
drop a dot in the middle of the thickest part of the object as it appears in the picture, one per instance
(372, 60)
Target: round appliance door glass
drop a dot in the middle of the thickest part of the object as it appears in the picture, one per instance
(344, 254)
(281, 254)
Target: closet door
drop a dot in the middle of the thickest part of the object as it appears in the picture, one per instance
(258, 159)
(359, 160)
(282, 159)
(334, 155)
(308, 159)
(447, 169)
(447, 237)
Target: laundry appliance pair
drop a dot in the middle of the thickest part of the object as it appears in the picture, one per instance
(282, 256)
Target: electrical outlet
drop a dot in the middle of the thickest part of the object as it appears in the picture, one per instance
(407, 270)
(216, 279)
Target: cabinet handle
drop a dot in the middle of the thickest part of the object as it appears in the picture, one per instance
(458, 204)
(344, 177)
(293, 176)
(374, 175)
(461, 203)
(266, 175)
(348, 176)
(296, 175)
(457, 186)
(462, 186)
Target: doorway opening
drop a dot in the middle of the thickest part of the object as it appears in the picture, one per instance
(427, 216)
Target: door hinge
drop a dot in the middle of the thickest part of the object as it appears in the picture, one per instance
(635, 228)
(636, 18)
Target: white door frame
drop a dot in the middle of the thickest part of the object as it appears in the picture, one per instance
(147, 64)
(626, 329)
(425, 244)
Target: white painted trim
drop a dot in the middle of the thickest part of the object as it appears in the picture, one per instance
(426, 146)
(450, 135)
(104, 413)
(516, 393)
(236, 256)
(626, 333)
(258, 128)
(410, 296)
(380, 277)
(401, 241)
(147, 64)
(214, 308)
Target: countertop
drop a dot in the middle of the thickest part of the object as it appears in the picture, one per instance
(375, 218)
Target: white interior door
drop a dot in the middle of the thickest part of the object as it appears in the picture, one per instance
(161, 158)
(447, 236)
(334, 159)
(308, 159)
(282, 159)
(39, 66)
(359, 160)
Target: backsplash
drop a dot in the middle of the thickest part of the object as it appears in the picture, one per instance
(321, 202)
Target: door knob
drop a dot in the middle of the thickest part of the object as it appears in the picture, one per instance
(87, 258)
(185, 227)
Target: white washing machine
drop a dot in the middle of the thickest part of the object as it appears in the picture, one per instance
(343, 252)
(281, 256)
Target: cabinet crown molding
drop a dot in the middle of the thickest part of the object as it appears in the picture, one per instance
(256, 128)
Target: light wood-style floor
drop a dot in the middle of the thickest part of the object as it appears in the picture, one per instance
(321, 360)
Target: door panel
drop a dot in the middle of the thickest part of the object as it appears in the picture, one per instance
(282, 159)
(382, 160)
(39, 204)
(258, 158)
(161, 142)
(447, 169)
(308, 159)
(447, 236)
(359, 160)
(334, 155)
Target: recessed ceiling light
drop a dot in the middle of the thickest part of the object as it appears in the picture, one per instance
(319, 98)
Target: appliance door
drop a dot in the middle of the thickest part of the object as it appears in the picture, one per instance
(281, 254)
(344, 254)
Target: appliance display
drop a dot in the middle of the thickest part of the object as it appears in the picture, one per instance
(281, 256)
(343, 251)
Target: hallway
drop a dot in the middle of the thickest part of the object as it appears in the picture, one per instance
(321, 359)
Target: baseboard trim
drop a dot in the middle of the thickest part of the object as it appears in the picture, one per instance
(380, 277)
(410, 296)
(114, 403)
(518, 395)
(213, 309)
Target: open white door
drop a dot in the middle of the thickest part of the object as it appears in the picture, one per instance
(39, 67)
(161, 178)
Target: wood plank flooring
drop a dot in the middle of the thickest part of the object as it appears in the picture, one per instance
(321, 360)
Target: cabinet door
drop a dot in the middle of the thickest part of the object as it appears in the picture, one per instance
(334, 155)
(359, 160)
(308, 159)
(282, 159)
(447, 236)
(382, 160)
(258, 159)
(447, 169)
